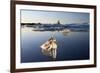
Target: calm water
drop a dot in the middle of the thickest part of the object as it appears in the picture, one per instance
(71, 46)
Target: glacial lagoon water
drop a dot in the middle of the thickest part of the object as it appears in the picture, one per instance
(71, 46)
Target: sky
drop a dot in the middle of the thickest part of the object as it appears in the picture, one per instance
(36, 16)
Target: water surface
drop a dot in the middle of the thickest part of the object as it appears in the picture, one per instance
(71, 46)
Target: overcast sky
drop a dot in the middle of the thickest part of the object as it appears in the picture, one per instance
(34, 16)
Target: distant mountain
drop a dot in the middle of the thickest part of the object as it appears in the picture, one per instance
(51, 27)
(78, 27)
